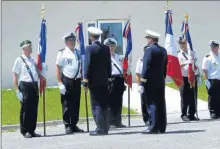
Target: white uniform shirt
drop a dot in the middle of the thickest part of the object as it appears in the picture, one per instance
(139, 66)
(68, 61)
(183, 58)
(211, 63)
(21, 69)
(116, 59)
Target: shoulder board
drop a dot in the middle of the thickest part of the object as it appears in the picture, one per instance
(207, 55)
(61, 50)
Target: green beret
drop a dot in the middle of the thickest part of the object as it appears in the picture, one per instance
(25, 43)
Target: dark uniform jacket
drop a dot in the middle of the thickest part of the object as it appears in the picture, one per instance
(154, 65)
(97, 67)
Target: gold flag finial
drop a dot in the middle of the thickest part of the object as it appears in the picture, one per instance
(186, 16)
(167, 2)
(42, 10)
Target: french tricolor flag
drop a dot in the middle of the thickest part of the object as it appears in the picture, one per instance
(173, 66)
(42, 48)
(192, 68)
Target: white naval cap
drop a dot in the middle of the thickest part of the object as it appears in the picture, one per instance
(152, 34)
(69, 36)
(213, 43)
(110, 41)
(94, 31)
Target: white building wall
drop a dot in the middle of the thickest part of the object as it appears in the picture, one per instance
(21, 20)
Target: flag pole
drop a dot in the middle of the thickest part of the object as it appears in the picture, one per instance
(86, 101)
(44, 85)
(195, 84)
(129, 107)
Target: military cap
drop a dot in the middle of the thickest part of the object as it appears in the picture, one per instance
(152, 34)
(69, 36)
(213, 43)
(180, 39)
(94, 31)
(110, 41)
(25, 43)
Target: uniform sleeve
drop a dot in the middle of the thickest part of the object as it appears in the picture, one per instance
(17, 66)
(59, 60)
(138, 67)
(205, 64)
(146, 65)
(109, 63)
(87, 62)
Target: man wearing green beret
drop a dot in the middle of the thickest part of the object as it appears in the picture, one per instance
(25, 79)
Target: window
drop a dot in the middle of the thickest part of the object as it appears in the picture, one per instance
(111, 29)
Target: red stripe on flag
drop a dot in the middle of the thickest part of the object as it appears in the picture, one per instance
(191, 76)
(174, 70)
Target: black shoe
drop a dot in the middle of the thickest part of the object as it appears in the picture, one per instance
(185, 118)
(214, 116)
(28, 135)
(68, 131)
(120, 126)
(35, 135)
(193, 118)
(97, 133)
(77, 129)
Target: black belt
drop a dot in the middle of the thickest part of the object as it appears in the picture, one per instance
(25, 82)
(117, 76)
(71, 79)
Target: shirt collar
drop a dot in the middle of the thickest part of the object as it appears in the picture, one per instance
(68, 50)
(25, 57)
(95, 41)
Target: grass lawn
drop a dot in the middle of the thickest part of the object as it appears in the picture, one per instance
(11, 106)
(202, 93)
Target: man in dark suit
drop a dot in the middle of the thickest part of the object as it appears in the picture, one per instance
(153, 83)
(97, 74)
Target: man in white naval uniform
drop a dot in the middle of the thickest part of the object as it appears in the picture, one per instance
(139, 67)
(25, 79)
(68, 64)
(117, 86)
(188, 94)
(211, 74)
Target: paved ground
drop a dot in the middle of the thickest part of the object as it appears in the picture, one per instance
(201, 135)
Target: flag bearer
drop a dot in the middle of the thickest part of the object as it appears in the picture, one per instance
(68, 64)
(187, 93)
(139, 67)
(97, 74)
(153, 83)
(117, 87)
(25, 79)
(211, 73)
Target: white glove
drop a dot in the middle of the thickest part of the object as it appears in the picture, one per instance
(62, 88)
(140, 89)
(208, 84)
(44, 67)
(199, 81)
(19, 95)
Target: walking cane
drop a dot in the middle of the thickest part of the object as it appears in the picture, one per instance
(87, 117)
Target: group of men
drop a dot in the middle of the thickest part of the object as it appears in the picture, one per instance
(102, 76)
